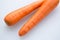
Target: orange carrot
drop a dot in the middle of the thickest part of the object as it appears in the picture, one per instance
(41, 13)
(17, 15)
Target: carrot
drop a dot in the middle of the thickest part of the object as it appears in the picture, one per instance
(41, 13)
(18, 14)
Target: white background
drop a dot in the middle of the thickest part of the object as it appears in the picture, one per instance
(48, 29)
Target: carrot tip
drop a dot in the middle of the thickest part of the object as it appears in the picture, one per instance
(20, 34)
(7, 22)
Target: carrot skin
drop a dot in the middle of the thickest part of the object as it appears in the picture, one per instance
(13, 17)
(41, 13)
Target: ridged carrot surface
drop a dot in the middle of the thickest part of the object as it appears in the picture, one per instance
(41, 13)
(18, 14)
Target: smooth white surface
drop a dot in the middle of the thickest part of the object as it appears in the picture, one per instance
(48, 29)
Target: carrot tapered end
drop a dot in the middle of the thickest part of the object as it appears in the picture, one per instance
(21, 32)
(6, 21)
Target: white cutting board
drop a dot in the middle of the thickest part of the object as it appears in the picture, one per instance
(48, 29)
